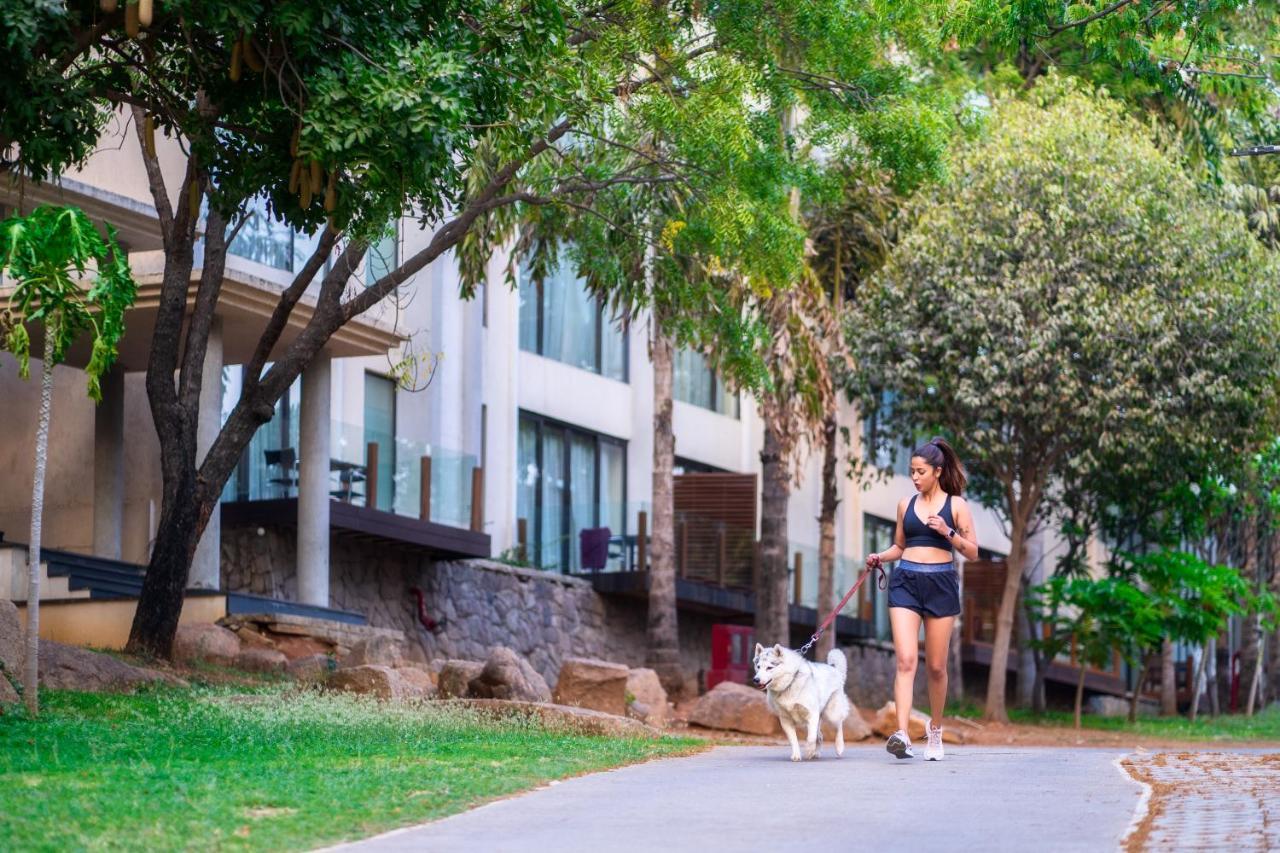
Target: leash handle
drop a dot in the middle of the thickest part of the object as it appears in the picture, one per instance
(880, 582)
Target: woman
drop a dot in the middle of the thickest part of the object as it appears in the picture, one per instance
(931, 525)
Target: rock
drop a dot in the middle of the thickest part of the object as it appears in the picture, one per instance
(595, 684)
(70, 668)
(566, 718)
(209, 643)
(506, 675)
(294, 647)
(1115, 706)
(736, 707)
(648, 699)
(855, 728)
(455, 678)
(887, 723)
(249, 638)
(258, 659)
(13, 648)
(311, 669)
(374, 651)
(417, 682)
(380, 681)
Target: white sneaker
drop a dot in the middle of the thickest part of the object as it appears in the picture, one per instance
(899, 745)
(933, 749)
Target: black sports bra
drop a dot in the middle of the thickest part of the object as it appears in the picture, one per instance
(918, 534)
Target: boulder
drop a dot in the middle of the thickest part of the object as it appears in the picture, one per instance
(380, 681)
(565, 718)
(260, 659)
(13, 648)
(736, 707)
(507, 675)
(596, 684)
(647, 700)
(70, 668)
(7, 694)
(374, 651)
(294, 647)
(1116, 706)
(886, 723)
(455, 678)
(417, 682)
(209, 643)
(311, 669)
(251, 638)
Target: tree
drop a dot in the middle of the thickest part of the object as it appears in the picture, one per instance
(345, 116)
(51, 254)
(1042, 309)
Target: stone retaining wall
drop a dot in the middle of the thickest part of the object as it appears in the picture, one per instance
(544, 616)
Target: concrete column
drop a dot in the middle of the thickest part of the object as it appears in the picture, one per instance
(206, 567)
(108, 468)
(313, 484)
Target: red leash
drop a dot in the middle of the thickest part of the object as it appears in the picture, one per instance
(880, 582)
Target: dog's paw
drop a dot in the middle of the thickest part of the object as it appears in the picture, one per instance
(840, 751)
(795, 756)
(810, 752)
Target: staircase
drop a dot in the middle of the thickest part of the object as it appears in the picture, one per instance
(65, 575)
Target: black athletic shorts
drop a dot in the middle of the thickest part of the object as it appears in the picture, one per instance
(930, 589)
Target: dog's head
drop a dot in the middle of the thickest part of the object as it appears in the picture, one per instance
(768, 663)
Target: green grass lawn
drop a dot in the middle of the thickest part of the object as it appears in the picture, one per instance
(1262, 726)
(279, 769)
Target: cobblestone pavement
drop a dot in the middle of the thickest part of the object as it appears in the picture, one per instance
(1208, 801)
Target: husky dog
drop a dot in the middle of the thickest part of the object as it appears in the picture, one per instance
(803, 694)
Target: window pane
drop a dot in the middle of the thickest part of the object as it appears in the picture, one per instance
(528, 312)
(264, 239)
(877, 536)
(527, 482)
(381, 258)
(692, 379)
(569, 320)
(380, 427)
(613, 466)
(613, 349)
(552, 537)
(582, 492)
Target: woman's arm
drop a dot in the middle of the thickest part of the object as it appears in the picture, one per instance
(895, 550)
(966, 539)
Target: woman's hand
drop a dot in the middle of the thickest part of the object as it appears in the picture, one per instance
(873, 561)
(937, 525)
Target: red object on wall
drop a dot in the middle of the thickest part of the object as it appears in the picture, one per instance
(731, 647)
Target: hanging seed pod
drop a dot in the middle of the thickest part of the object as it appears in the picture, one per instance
(317, 178)
(149, 136)
(146, 12)
(331, 193)
(109, 6)
(293, 143)
(131, 22)
(305, 201)
(193, 199)
(235, 62)
(252, 58)
(295, 177)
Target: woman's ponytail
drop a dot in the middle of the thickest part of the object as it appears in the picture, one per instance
(938, 453)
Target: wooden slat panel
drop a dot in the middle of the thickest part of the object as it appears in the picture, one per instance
(719, 514)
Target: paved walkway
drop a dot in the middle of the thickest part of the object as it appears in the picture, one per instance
(753, 798)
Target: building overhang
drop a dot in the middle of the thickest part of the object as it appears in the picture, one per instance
(136, 223)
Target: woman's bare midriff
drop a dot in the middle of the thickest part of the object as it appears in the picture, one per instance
(925, 554)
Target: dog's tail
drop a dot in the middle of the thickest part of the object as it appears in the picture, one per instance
(836, 658)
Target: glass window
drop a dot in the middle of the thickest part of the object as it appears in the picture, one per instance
(264, 239)
(882, 450)
(568, 480)
(697, 384)
(873, 602)
(380, 428)
(564, 321)
(382, 257)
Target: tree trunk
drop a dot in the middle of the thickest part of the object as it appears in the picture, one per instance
(1026, 660)
(1211, 677)
(155, 623)
(1080, 691)
(827, 534)
(773, 624)
(31, 672)
(1254, 674)
(1198, 684)
(1168, 681)
(1140, 681)
(663, 628)
(1250, 628)
(998, 676)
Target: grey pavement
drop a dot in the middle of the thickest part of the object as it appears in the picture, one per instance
(753, 798)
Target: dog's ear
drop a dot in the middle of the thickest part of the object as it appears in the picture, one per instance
(759, 649)
(777, 649)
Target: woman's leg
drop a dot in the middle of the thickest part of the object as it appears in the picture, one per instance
(906, 646)
(937, 641)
